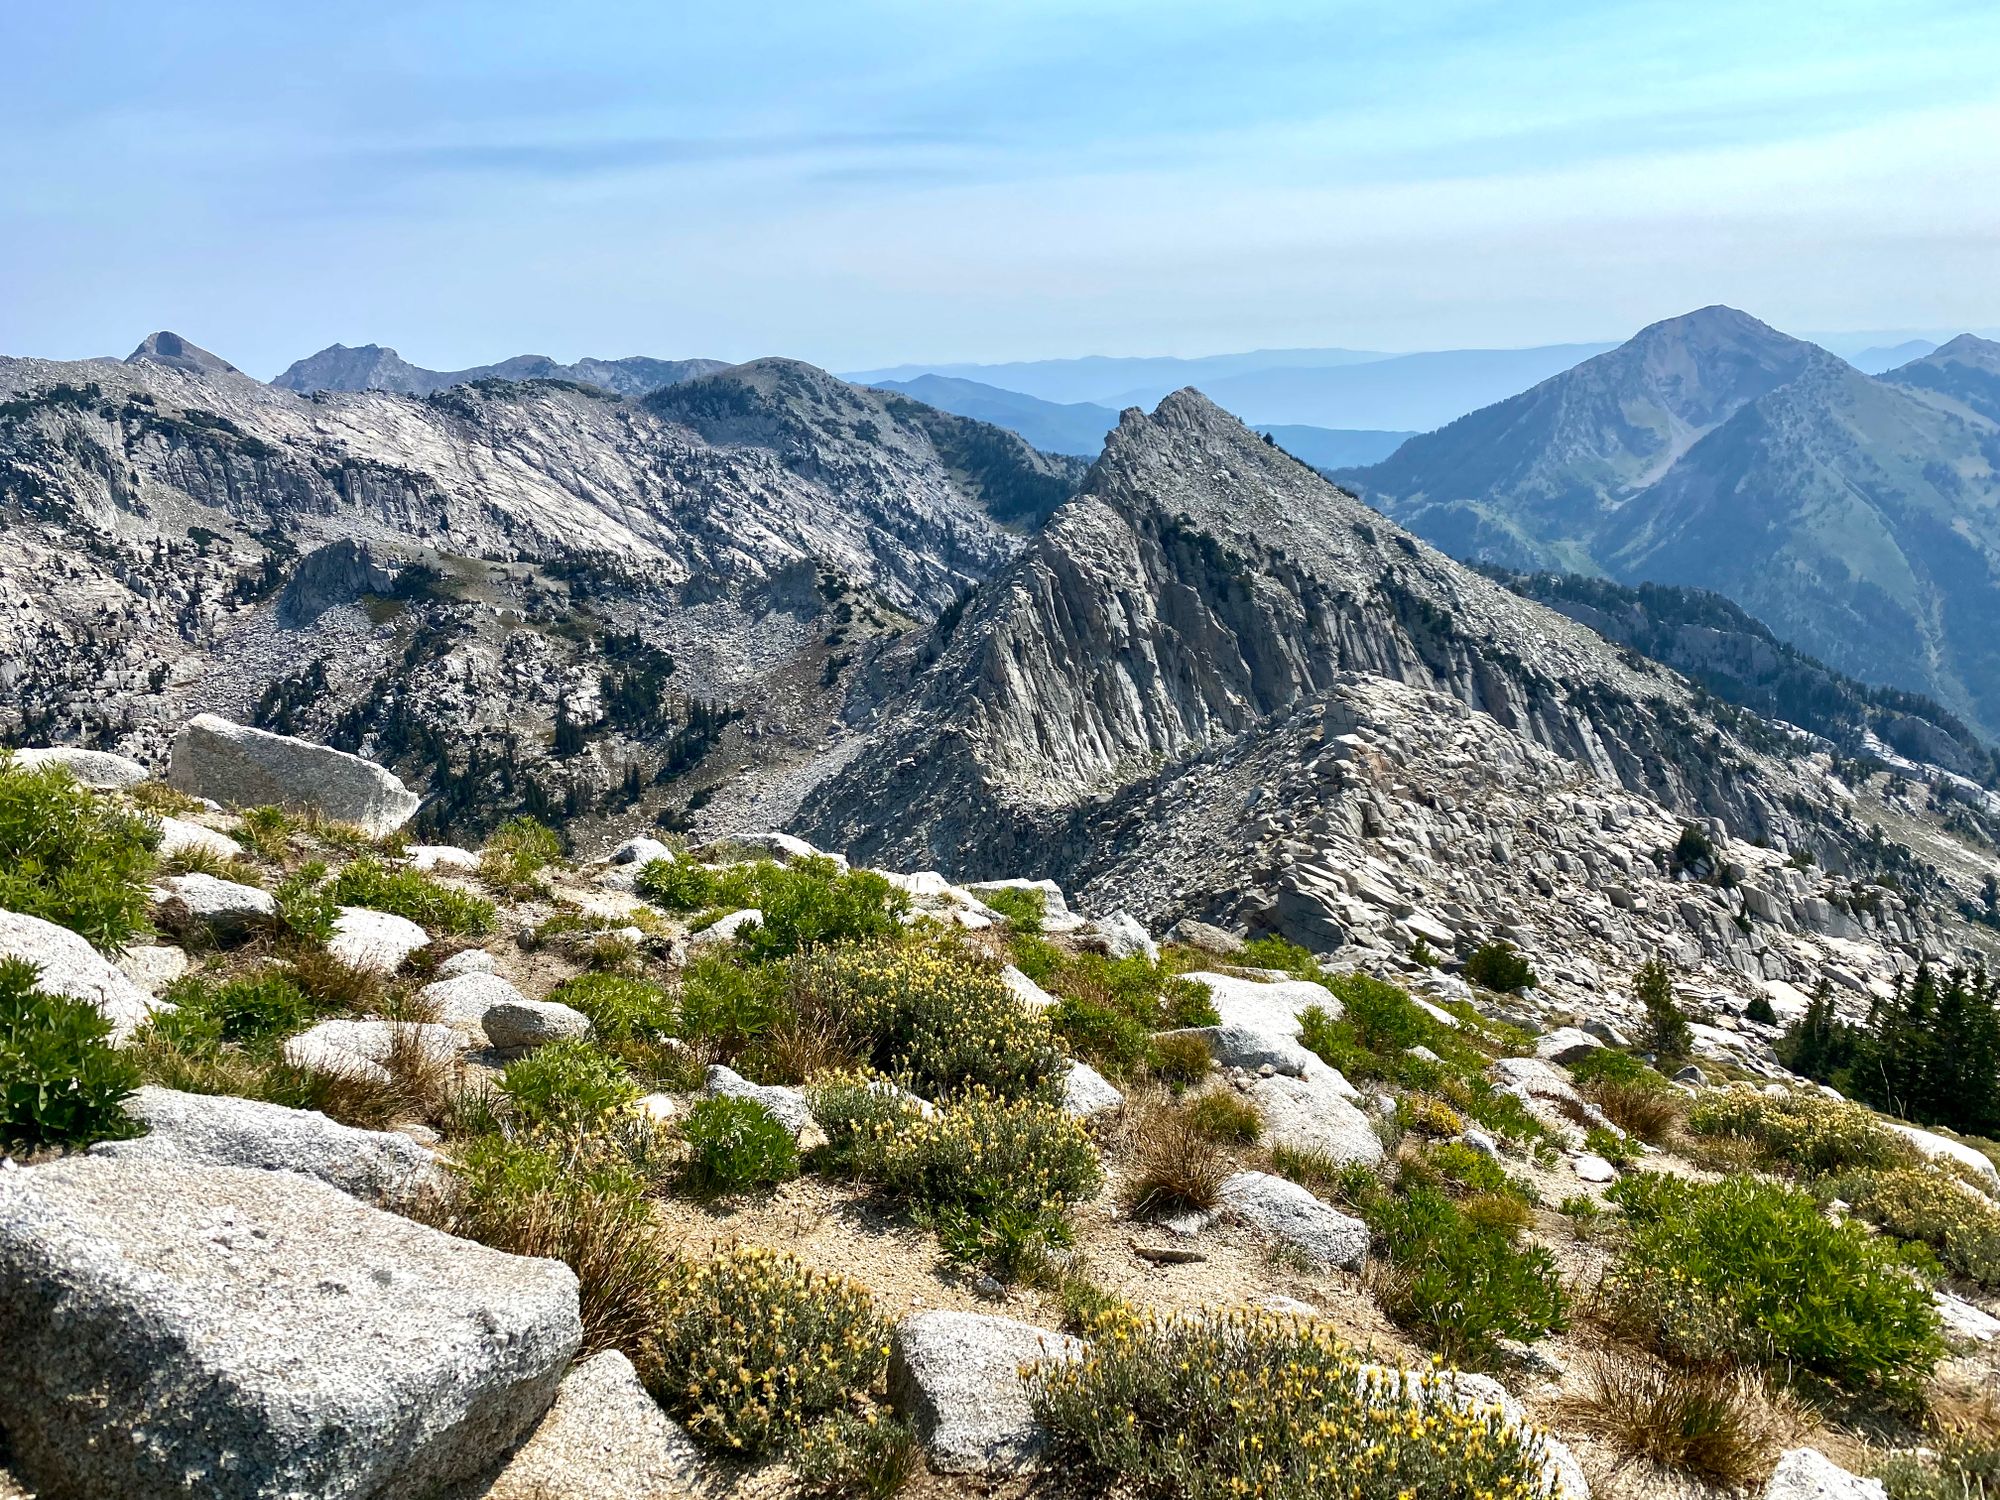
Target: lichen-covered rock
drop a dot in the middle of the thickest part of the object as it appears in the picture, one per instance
(214, 1130)
(93, 768)
(176, 1330)
(533, 1023)
(1282, 1210)
(377, 941)
(956, 1376)
(70, 966)
(243, 767)
(604, 1439)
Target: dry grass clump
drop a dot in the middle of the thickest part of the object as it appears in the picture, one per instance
(1639, 1109)
(412, 1082)
(1723, 1427)
(1222, 1116)
(1177, 1166)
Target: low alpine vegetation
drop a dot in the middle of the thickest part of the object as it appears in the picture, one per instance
(1930, 1206)
(1178, 1166)
(757, 1345)
(806, 904)
(61, 1081)
(519, 849)
(72, 857)
(410, 893)
(1720, 1426)
(1800, 1131)
(1222, 1404)
(735, 1145)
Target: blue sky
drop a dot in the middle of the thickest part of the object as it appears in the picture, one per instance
(864, 183)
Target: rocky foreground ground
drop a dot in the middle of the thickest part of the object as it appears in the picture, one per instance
(351, 1166)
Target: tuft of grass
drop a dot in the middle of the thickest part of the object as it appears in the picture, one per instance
(735, 1145)
(518, 850)
(756, 1345)
(1020, 905)
(1223, 1116)
(307, 910)
(268, 832)
(807, 904)
(1650, 1113)
(849, 1457)
(1213, 1404)
(61, 1080)
(72, 856)
(1177, 1166)
(1721, 1427)
(1181, 1061)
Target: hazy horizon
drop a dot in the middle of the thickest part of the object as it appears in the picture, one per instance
(898, 184)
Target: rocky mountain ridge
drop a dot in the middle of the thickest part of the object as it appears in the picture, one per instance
(371, 367)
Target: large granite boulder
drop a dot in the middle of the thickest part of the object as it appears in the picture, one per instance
(70, 966)
(1273, 1006)
(214, 1130)
(957, 1377)
(226, 908)
(243, 767)
(1314, 1114)
(175, 1330)
(464, 999)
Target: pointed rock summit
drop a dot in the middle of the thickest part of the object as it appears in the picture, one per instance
(175, 352)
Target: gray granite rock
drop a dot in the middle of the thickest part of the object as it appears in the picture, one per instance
(361, 1048)
(214, 1130)
(377, 941)
(1282, 1210)
(70, 966)
(464, 999)
(1314, 1114)
(1125, 936)
(178, 836)
(956, 1376)
(466, 961)
(93, 768)
(1086, 1092)
(225, 1333)
(1808, 1474)
(533, 1023)
(227, 908)
(243, 767)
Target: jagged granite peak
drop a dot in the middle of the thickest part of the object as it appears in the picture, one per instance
(374, 367)
(175, 352)
(1201, 581)
(1525, 481)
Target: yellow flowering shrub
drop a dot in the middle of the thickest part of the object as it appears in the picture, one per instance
(1930, 1205)
(1800, 1130)
(757, 1344)
(930, 1016)
(1216, 1405)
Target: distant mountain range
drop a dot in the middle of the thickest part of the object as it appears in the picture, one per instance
(1330, 389)
(1079, 427)
(1857, 516)
(375, 368)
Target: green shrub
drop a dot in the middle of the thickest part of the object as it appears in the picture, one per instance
(846, 1457)
(518, 849)
(1461, 1284)
(1759, 1010)
(1497, 966)
(735, 1145)
(1962, 1463)
(410, 893)
(757, 1345)
(306, 908)
(1109, 1007)
(1930, 1206)
(806, 904)
(61, 1081)
(1619, 1150)
(1609, 1065)
(255, 1008)
(1801, 1131)
(1460, 1169)
(1180, 1061)
(566, 1083)
(73, 857)
(1020, 905)
(1272, 952)
(1211, 1405)
(1751, 1272)
(620, 1007)
(728, 1006)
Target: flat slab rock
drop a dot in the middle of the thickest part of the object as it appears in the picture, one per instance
(70, 966)
(1270, 1006)
(376, 1166)
(1284, 1211)
(243, 767)
(604, 1439)
(217, 1332)
(957, 1377)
